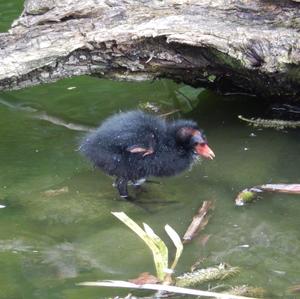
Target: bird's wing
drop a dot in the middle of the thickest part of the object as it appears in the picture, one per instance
(146, 146)
(136, 149)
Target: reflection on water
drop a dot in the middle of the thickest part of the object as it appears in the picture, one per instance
(50, 242)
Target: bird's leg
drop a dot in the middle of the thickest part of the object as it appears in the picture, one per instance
(121, 185)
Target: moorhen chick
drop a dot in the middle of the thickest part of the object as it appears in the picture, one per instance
(135, 145)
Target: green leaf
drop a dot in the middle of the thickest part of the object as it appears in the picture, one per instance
(156, 245)
(161, 258)
(177, 242)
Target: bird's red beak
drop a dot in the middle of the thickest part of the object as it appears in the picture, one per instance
(202, 149)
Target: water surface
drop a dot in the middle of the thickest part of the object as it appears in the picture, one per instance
(9, 10)
(48, 243)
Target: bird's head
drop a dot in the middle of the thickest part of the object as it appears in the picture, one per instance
(192, 138)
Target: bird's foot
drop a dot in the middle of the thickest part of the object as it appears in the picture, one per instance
(137, 183)
(153, 182)
(126, 198)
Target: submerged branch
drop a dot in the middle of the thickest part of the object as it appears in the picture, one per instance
(42, 115)
(60, 122)
(199, 222)
(294, 289)
(245, 290)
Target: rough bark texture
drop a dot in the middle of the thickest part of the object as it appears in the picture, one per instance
(229, 45)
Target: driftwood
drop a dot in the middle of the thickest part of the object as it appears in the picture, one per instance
(60, 122)
(250, 194)
(229, 45)
(199, 222)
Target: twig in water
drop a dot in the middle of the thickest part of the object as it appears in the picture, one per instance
(245, 290)
(294, 289)
(199, 222)
(49, 118)
(60, 122)
(169, 113)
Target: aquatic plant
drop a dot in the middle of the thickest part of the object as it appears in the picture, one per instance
(220, 272)
(271, 123)
(157, 246)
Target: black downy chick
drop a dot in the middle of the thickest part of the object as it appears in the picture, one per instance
(135, 145)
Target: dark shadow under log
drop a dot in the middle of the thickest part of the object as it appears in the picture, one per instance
(228, 45)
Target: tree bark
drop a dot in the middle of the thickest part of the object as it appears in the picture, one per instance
(229, 45)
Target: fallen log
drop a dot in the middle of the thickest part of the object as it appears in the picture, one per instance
(228, 45)
(250, 194)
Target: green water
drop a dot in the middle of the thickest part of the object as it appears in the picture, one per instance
(9, 10)
(50, 243)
